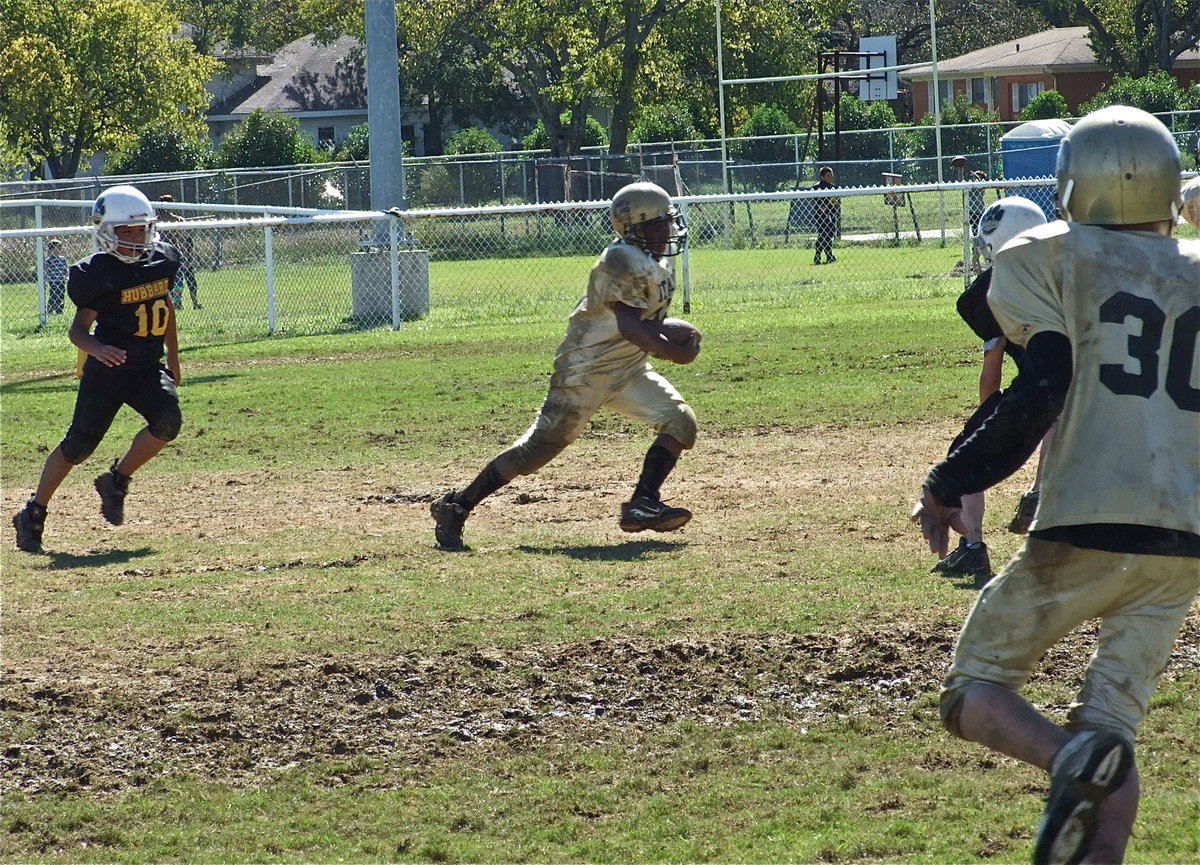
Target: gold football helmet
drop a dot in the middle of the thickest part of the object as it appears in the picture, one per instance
(638, 205)
(1119, 166)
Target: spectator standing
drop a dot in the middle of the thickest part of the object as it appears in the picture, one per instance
(185, 244)
(55, 269)
(828, 211)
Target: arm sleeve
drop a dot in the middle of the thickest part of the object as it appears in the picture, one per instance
(1008, 437)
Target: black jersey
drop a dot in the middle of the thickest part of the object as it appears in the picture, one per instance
(132, 301)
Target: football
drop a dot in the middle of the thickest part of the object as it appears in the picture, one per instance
(679, 331)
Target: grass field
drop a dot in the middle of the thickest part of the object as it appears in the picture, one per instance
(270, 661)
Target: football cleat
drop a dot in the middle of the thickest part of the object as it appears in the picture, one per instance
(1085, 771)
(1026, 509)
(448, 517)
(646, 513)
(1023, 516)
(112, 487)
(966, 561)
(30, 522)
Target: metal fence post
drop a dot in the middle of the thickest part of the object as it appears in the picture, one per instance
(269, 255)
(394, 246)
(41, 267)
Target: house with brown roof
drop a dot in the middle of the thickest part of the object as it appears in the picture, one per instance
(1006, 77)
(322, 86)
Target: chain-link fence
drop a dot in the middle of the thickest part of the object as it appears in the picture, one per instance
(254, 272)
(860, 157)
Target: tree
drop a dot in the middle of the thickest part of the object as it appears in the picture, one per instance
(962, 25)
(1132, 37)
(262, 24)
(82, 76)
(265, 139)
(161, 147)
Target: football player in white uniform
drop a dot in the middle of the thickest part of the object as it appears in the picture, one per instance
(1107, 305)
(999, 223)
(602, 363)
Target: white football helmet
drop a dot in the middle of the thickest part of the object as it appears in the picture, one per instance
(1190, 194)
(124, 205)
(1004, 220)
(1119, 166)
(640, 203)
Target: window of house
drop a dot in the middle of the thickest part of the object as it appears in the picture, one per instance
(325, 137)
(1023, 94)
(977, 91)
(945, 93)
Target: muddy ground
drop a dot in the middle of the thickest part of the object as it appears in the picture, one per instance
(77, 723)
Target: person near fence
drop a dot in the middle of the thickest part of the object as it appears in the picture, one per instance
(602, 363)
(186, 245)
(1105, 304)
(999, 224)
(827, 210)
(124, 290)
(55, 268)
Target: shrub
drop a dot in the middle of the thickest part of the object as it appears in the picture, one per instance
(1047, 105)
(160, 148)
(266, 139)
(776, 157)
(664, 123)
(594, 134)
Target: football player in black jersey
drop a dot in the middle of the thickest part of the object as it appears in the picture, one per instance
(124, 290)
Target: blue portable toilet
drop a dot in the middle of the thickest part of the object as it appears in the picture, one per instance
(1031, 151)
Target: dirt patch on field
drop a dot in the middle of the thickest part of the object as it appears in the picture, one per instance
(128, 724)
(70, 722)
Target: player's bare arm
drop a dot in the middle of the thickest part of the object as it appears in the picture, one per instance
(80, 333)
(650, 338)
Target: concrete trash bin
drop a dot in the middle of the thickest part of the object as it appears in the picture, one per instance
(371, 285)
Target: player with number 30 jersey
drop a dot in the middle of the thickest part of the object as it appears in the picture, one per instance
(1107, 306)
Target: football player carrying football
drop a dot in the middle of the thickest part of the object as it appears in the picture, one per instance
(602, 363)
(125, 291)
(1107, 305)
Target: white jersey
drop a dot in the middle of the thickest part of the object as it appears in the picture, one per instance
(593, 353)
(1127, 445)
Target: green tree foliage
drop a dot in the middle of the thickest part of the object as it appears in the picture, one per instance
(473, 140)
(82, 76)
(760, 39)
(1047, 105)
(239, 24)
(768, 136)
(160, 147)
(962, 25)
(865, 155)
(266, 139)
(1132, 37)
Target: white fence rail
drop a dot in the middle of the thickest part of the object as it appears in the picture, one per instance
(252, 272)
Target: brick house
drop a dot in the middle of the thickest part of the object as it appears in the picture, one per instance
(1006, 77)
